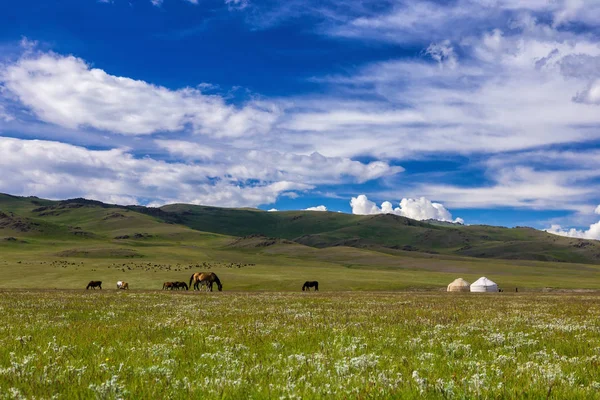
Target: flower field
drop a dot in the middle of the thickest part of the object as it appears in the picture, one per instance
(113, 344)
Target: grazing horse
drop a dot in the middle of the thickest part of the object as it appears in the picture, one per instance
(94, 285)
(308, 284)
(180, 285)
(122, 285)
(205, 278)
(168, 285)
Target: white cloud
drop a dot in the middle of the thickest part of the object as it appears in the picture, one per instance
(156, 3)
(237, 4)
(415, 21)
(589, 95)
(187, 150)
(502, 98)
(363, 206)
(592, 233)
(443, 53)
(272, 165)
(66, 91)
(273, 210)
(419, 209)
(317, 208)
(540, 179)
(58, 170)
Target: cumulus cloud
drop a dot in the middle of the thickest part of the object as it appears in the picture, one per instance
(59, 170)
(66, 91)
(273, 165)
(317, 208)
(593, 232)
(419, 209)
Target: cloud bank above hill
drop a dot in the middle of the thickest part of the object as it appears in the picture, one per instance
(419, 209)
(59, 170)
(593, 232)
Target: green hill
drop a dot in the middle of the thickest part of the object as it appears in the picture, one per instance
(87, 219)
(330, 229)
(67, 242)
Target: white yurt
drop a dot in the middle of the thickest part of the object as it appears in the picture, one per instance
(459, 285)
(483, 284)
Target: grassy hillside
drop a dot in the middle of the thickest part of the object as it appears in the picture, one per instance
(329, 229)
(64, 244)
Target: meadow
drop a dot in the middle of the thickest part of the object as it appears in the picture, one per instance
(382, 325)
(65, 244)
(113, 344)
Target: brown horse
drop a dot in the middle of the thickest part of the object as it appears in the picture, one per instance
(205, 278)
(308, 284)
(122, 285)
(180, 285)
(168, 285)
(94, 285)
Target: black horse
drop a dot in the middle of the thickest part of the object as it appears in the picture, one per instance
(308, 284)
(180, 285)
(94, 285)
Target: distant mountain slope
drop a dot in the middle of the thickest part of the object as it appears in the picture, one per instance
(315, 229)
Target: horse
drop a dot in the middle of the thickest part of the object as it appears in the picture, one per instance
(94, 285)
(308, 284)
(122, 285)
(168, 285)
(205, 278)
(180, 285)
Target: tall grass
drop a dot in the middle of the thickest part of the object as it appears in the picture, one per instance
(108, 344)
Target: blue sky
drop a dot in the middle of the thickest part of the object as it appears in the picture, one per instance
(482, 111)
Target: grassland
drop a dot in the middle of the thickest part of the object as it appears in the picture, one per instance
(115, 344)
(49, 244)
(381, 327)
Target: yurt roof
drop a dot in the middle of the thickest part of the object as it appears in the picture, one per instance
(483, 281)
(459, 282)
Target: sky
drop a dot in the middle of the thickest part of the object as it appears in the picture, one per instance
(471, 111)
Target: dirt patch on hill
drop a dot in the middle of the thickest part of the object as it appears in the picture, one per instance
(114, 215)
(17, 224)
(134, 236)
(12, 239)
(99, 253)
(257, 240)
(77, 231)
(57, 209)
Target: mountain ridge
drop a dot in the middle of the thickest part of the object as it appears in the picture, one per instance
(83, 218)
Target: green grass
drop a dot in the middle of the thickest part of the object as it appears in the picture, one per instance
(316, 229)
(114, 344)
(73, 242)
(364, 335)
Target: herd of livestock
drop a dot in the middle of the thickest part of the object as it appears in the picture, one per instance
(198, 281)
